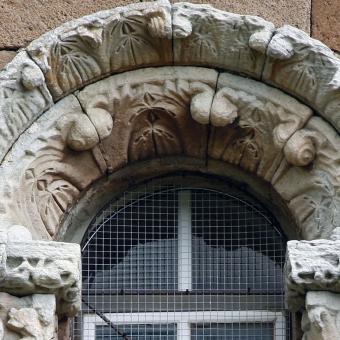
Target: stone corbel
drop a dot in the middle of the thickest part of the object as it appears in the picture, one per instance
(29, 269)
(312, 283)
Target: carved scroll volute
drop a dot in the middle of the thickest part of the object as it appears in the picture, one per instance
(157, 113)
(258, 123)
(308, 182)
(300, 149)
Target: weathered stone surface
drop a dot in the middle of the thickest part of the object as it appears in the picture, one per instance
(6, 57)
(31, 267)
(307, 69)
(151, 112)
(325, 22)
(208, 37)
(311, 266)
(23, 97)
(266, 119)
(281, 12)
(321, 320)
(312, 191)
(106, 42)
(42, 175)
(21, 22)
(28, 318)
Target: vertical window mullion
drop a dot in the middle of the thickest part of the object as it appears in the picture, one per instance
(184, 241)
(184, 255)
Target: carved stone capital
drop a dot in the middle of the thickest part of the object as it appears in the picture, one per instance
(39, 267)
(311, 266)
(321, 320)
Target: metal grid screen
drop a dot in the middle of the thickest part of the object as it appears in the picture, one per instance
(171, 262)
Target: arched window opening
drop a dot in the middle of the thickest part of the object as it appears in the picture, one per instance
(183, 262)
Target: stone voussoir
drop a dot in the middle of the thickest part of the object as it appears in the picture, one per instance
(107, 42)
(307, 69)
(23, 98)
(206, 36)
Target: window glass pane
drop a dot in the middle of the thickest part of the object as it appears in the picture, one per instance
(135, 332)
(233, 331)
(135, 249)
(235, 248)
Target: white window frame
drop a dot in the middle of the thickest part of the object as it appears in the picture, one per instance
(184, 320)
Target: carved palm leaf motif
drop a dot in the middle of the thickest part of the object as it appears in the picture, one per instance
(130, 38)
(316, 204)
(202, 39)
(71, 65)
(154, 133)
(18, 110)
(299, 73)
(55, 196)
(255, 142)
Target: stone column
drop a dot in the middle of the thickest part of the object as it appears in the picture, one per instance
(40, 282)
(312, 273)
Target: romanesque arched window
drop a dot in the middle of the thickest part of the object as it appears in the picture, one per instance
(185, 261)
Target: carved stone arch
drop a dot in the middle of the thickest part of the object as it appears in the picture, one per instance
(153, 81)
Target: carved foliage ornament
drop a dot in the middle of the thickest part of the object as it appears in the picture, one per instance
(112, 41)
(153, 113)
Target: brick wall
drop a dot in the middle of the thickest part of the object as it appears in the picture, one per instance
(22, 21)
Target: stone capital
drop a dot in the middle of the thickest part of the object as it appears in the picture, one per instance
(29, 267)
(311, 266)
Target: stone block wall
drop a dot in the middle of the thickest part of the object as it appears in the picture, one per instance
(23, 21)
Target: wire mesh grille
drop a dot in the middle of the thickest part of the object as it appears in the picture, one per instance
(176, 262)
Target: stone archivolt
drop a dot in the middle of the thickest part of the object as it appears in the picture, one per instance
(172, 111)
(149, 81)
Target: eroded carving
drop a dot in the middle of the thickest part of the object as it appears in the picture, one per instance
(305, 68)
(31, 267)
(49, 175)
(23, 97)
(321, 320)
(266, 119)
(36, 322)
(155, 112)
(29, 318)
(311, 266)
(206, 36)
(312, 192)
(107, 42)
